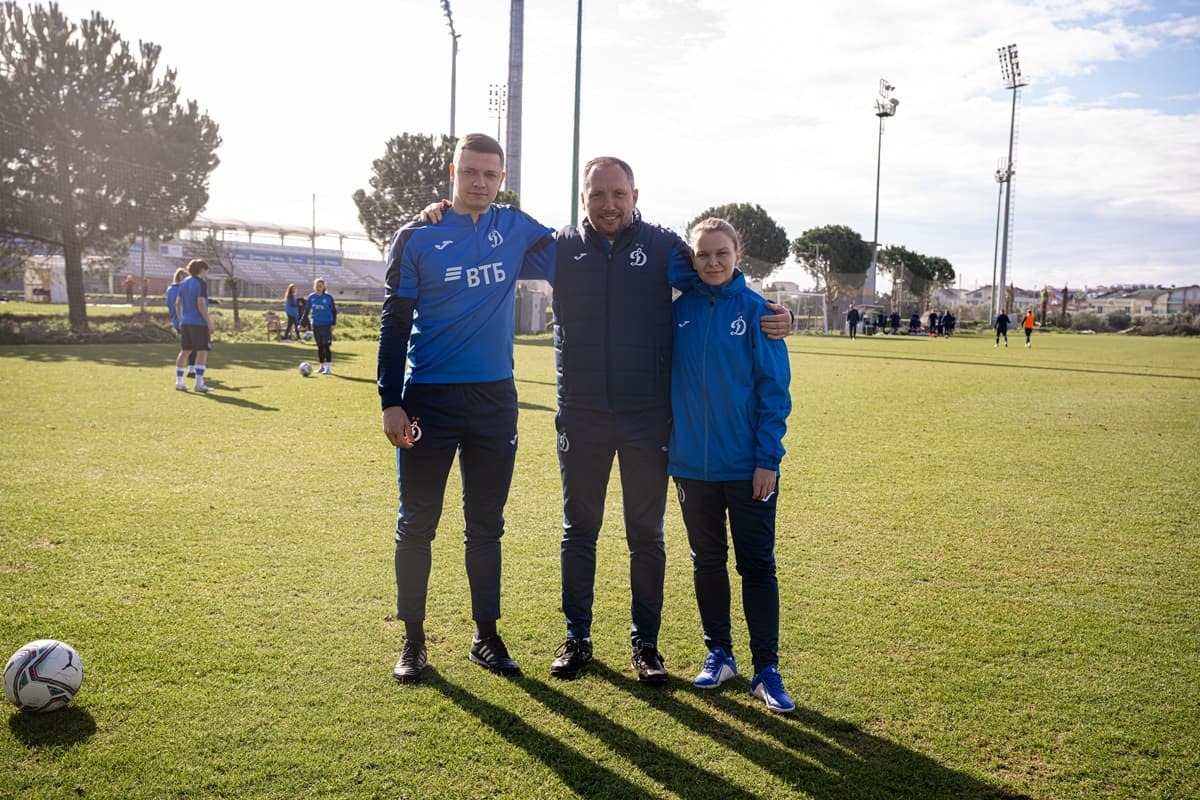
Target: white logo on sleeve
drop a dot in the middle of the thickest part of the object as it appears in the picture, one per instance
(443, 245)
(638, 257)
(737, 327)
(495, 238)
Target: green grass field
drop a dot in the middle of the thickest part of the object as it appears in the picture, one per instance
(988, 562)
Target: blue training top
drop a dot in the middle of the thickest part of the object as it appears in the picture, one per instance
(321, 309)
(172, 293)
(192, 291)
(462, 276)
(729, 386)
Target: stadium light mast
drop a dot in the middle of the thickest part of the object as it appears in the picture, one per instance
(516, 80)
(575, 148)
(497, 104)
(1010, 71)
(885, 106)
(1002, 174)
(453, 61)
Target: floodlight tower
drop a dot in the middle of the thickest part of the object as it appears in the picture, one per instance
(575, 148)
(1010, 70)
(453, 61)
(1002, 175)
(885, 106)
(516, 79)
(497, 104)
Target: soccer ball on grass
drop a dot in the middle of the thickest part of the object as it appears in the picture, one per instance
(43, 676)
(308, 336)
(305, 368)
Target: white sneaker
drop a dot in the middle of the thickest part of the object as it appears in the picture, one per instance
(179, 387)
(200, 387)
(718, 667)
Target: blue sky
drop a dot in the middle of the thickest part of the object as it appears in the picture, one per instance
(717, 101)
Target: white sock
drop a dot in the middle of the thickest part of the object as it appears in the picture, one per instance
(179, 376)
(199, 376)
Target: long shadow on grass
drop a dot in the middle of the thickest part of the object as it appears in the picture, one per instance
(822, 757)
(682, 777)
(254, 355)
(889, 357)
(59, 729)
(582, 774)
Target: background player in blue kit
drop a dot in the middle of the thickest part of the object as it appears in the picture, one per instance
(195, 326)
(172, 294)
(322, 313)
(730, 402)
(446, 388)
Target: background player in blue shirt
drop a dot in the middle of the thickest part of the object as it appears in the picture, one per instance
(322, 312)
(446, 388)
(195, 326)
(172, 294)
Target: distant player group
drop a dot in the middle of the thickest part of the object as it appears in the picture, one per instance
(940, 324)
(187, 303)
(696, 389)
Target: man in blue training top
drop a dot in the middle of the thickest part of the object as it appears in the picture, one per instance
(446, 387)
(195, 326)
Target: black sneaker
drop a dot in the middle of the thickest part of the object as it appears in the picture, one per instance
(492, 654)
(573, 656)
(648, 665)
(413, 659)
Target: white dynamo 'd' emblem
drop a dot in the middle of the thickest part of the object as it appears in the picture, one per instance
(682, 494)
(415, 430)
(564, 444)
(737, 327)
(638, 257)
(495, 238)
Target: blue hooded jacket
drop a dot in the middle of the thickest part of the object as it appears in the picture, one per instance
(729, 386)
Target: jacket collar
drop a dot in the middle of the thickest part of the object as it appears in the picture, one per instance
(736, 286)
(623, 236)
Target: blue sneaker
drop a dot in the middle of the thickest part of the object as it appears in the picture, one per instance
(768, 687)
(719, 667)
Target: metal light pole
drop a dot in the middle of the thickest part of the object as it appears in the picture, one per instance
(453, 61)
(1010, 70)
(885, 107)
(575, 149)
(516, 79)
(1002, 175)
(497, 104)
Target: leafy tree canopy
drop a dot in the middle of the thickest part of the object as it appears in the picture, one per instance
(413, 172)
(834, 255)
(764, 242)
(917, 275)
(95, 146)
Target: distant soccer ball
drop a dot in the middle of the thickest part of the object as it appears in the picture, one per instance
(43, 676)
(305, 368)
(308, 336)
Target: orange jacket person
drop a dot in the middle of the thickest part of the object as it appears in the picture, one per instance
(1027, 324)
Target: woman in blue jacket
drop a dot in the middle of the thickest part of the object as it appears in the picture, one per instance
(730, 402)
(292, 309)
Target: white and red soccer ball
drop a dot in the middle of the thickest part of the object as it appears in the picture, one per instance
(43, 676)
